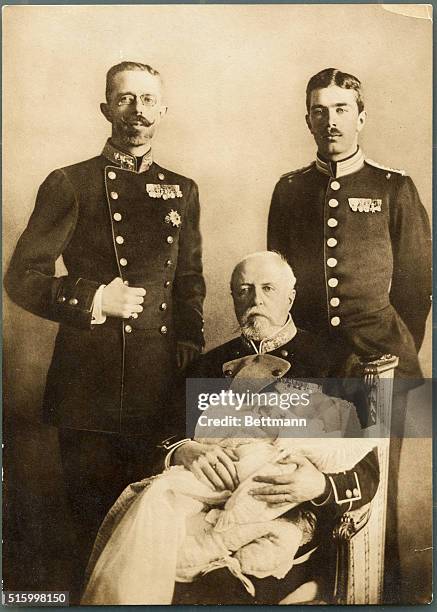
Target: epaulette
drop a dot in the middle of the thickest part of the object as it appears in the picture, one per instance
(381, 167)
(299, 171)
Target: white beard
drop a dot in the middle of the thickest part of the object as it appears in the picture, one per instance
(257, 328)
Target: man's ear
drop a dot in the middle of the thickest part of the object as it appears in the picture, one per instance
(361, 121)
(308, 122)
(291, 297)
(104, 107)
(163, 111)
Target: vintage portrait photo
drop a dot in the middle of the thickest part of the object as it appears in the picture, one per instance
(217, 335)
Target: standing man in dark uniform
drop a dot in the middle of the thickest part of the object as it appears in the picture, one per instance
(359, 240)
(130, 307)
(356, 235)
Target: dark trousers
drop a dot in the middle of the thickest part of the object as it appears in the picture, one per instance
(97, 467)
(220, 587)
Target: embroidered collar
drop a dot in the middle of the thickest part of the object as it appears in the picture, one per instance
(126, 160)
(282, 336)
(341, 168)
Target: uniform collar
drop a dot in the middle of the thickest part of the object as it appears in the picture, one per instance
(341, 168)
(282, 336)
(126, 161)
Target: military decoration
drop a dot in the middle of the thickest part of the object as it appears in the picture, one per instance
(127, 162)
(166, 192)
(366, 205)
(173, 217)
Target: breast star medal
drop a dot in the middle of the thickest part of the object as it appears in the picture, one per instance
(173, 217)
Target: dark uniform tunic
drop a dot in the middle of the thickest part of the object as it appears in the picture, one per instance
(358, 239)
(108, 218)
(345, 490)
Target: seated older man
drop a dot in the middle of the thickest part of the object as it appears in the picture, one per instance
(270, 345)
(263, 291)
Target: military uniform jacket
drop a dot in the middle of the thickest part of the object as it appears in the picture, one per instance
(358, 239)
(107, 219)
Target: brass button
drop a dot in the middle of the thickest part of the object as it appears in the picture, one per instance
(335, 185)
(163, 330)
(228, 372)
(333, 203)
(163, 306)
(114, 195)
(167, 284)
(61, 299)
(170, 239)
(128, 329)
(112, 175)
(168, 263)
(332, 262)
(348, 493)
(134, 315)
(334, 302)
(332, 222)
(73, 302)
(331, 242)
(161, 176)
(276, 372)
(117, 217)
(335, 321)
(284, 353)
(355, 492)
(123, 262)
(333, 282)
(119, 239)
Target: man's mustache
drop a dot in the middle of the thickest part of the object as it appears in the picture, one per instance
(139, 119)
(252, 312)
(331, 132)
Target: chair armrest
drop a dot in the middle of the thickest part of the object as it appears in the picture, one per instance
(350, 523)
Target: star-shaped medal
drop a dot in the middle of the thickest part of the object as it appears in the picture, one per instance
(174, 218)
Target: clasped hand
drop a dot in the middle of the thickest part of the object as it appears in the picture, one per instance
(210, 463)
(301, 484)
(215, 466)
(120, 300)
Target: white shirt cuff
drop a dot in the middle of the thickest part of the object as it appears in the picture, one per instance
(98, 317)
(169, 455)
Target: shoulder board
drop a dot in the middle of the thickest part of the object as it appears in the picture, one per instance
(381, 167)
(171, 175)
(299, 171)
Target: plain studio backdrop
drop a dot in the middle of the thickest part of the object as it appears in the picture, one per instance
(235, 79)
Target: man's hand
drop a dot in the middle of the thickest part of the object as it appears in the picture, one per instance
(119, 300)
(302, 484)
(185, 354)
(210, 463)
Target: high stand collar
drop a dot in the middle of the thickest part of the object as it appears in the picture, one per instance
(126, 161)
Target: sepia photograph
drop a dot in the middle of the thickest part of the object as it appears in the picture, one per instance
(217, 327)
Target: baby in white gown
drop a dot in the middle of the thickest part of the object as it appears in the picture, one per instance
(173, 527)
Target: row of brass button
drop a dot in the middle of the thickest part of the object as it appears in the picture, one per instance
(332, 262)
(112, 175)
(129, 329)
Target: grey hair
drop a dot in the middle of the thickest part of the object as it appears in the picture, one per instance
(275, 256)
